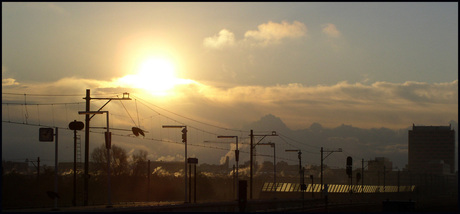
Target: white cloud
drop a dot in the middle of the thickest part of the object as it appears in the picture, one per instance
(169, 158)
(273, 32)
(225, 38)
(6, 79)
(331, 30)
(9, 82)
(266, 34)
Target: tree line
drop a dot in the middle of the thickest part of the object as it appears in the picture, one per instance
(130, 182)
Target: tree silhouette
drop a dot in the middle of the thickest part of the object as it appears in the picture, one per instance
(139, 163)
(118, 163)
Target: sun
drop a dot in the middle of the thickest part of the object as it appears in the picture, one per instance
(155, 74)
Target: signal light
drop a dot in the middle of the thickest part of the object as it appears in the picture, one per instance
(349, 166)
(108, 140)
(184, 135)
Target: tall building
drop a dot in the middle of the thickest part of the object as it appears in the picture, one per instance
(432, 149)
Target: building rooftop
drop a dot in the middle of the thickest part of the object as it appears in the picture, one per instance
(431, 128)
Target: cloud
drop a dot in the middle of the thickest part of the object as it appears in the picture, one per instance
(9, 82)
(266, 34)
(331, 31)
(169, 158)
(364, 105)
(378, 104)
(225, 38)
(273, 32)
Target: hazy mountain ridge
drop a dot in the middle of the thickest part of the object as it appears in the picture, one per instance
(356, 142)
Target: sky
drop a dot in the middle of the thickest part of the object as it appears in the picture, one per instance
(220, 66)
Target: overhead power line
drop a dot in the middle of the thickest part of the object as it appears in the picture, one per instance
(44, 104)
(49, 95)
(188, 118)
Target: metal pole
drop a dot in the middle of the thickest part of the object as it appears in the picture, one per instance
(384, 169)
(56, 170)
(321, 171)
(184, 139)
(148, 181)
(108, 162)
(190, 183)
(194, 183)
(312, 192)
(234, 181)
(74, 201)
(300, 174)
(185, 171)
(250, 167)
(362, 175)
(237, 157)
(274, 168)
(38, 172)
(351, 182)
(88, 99)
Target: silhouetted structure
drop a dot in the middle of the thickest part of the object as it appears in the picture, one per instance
(378, 164)
(432, 149)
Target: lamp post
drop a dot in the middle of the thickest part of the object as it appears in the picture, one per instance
(251, 154)
(108, 145)
(237, 157)
(274, 164)
(300, 169)
(75, 125)
(184, 139)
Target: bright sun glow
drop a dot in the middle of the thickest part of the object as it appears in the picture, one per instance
(156, 75)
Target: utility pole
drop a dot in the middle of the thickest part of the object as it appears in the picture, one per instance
(148, 181)
(38, 170)
(384, 169)
(274, 163)
(184, 140)
(299, 155)
(251, 154)
(88, 99)
(312, 192)
(38, 167)
(74, 199)
(108, 145)
(362, 175)
(234, 181)
(56, 170)
(250, 164)
(322, 159)
(237, 155)
(75, 125)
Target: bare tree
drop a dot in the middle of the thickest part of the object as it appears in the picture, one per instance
(118, 163)
(139, 164)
